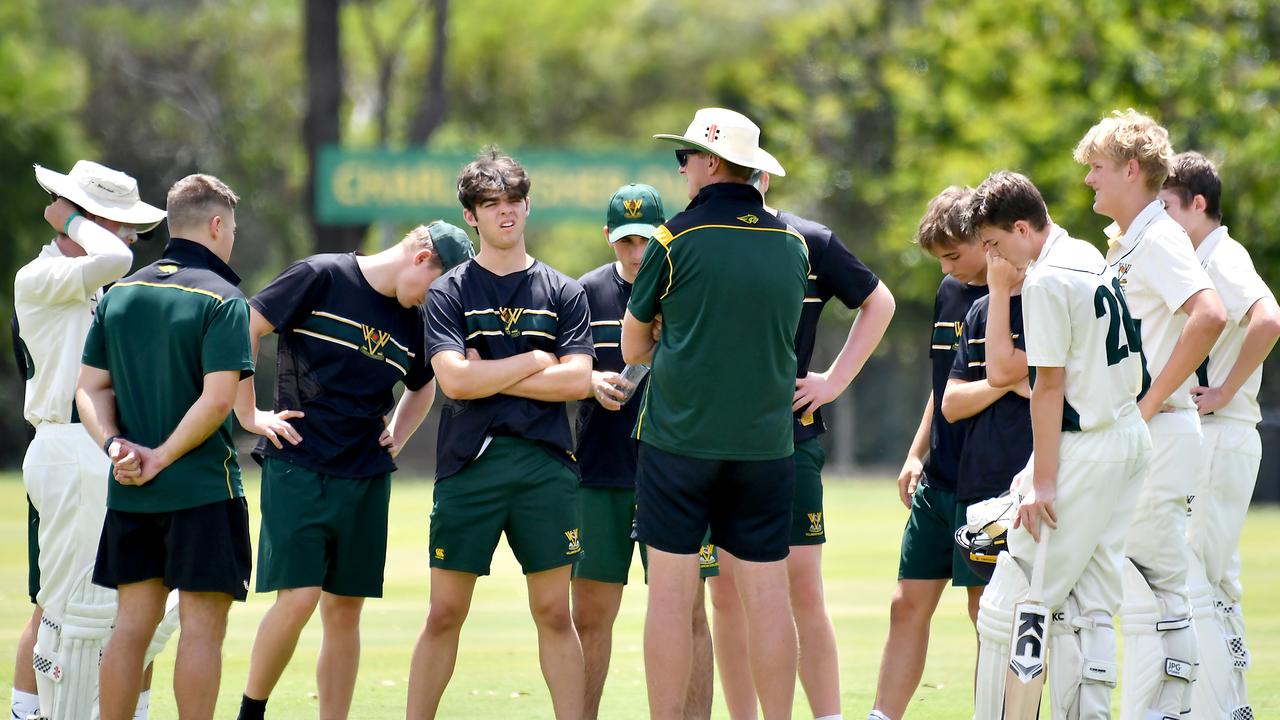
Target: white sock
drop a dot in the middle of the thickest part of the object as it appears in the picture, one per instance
(144, 705)
(837, 716)
(23, 704)
(877, 715)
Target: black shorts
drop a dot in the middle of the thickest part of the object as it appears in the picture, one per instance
(746, 503)
(200, 549)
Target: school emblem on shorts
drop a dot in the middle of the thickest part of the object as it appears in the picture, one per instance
(374, 341)
(749, 219)
(575, 547)
(707, 557)
(439, 553)
(509, 318)
(815, 524)
(632, 208)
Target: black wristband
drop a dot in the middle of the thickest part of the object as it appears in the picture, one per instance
(106, 446)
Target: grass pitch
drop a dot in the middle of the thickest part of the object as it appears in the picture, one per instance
(498, 675)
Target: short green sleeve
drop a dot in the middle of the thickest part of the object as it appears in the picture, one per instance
(653, 280)
(226, 339)
(95, 344)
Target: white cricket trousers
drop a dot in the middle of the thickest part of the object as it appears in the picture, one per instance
(1099, 478)
(66, 476)
(1229, 469)
(1157, 541)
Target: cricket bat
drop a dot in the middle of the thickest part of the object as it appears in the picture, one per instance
(1024, 682)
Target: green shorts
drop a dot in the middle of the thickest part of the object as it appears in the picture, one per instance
(516, 487)
(807, 527)
(322, 531)
(607, 519)
(929, 549)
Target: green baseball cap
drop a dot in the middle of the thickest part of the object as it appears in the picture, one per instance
(451, 243)
(634, 209)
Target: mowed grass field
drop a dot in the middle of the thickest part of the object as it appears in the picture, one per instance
(498, 676)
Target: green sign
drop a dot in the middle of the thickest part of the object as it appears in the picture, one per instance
(355, 186)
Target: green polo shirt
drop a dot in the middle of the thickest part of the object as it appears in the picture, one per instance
(159, 332)
(729, 280)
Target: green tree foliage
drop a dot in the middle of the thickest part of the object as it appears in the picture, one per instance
(873, 107)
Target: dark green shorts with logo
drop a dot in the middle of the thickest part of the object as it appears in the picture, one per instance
(322, 531)
(607, 521)
(807, 524)
(929, 549)
(515, 487)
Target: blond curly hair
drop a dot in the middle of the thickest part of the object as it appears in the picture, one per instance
(1129, 135)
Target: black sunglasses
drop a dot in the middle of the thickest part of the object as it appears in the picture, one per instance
(683, 154)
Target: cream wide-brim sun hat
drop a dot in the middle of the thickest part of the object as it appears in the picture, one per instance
(730, 135)
(103, 192)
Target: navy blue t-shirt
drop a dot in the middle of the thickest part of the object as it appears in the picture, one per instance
(343, 347)
(997, 442)
(502, 316)
(606, 451)
(950, 308)
(833, 272)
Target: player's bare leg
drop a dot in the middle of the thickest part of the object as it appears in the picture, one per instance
(24, 676)
(595, 608)
(668, 640)
(559, 651)
(730, 632)
(771, 634)
(197, 671)
(120, 675)
(819, 658)
(902, 664)
(277, 638)
(702, 674)
(436, 651)
(339, 661)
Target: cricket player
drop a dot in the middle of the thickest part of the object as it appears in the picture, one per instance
(1179, 316)
(510, 341)
(927, 485)
(1226, 395)
(728, 279)
(834, 273)
(97, 213)
(351, 328)
(1091, 449)
(24, 699)
(607, 460)
(166, 350)
(989, 386)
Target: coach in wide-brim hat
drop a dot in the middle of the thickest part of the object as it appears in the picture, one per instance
(103, 192)
(728, 135)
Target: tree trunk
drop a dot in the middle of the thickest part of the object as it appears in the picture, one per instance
(323, 122)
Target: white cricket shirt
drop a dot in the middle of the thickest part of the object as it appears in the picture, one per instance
(54, 297)
(1158, 270)
(1073, 319)
(1239, 285)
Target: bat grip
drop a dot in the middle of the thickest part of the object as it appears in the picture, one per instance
(1037, 569)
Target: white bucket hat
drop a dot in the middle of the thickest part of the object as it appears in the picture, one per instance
(102, 191)
(729, 135)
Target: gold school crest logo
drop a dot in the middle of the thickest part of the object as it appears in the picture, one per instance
(707, 557)
(575, 546)
(632, 208)
(1122, 271)
(815, 524)
(749, 219)
(374, 341)
(509, 318)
